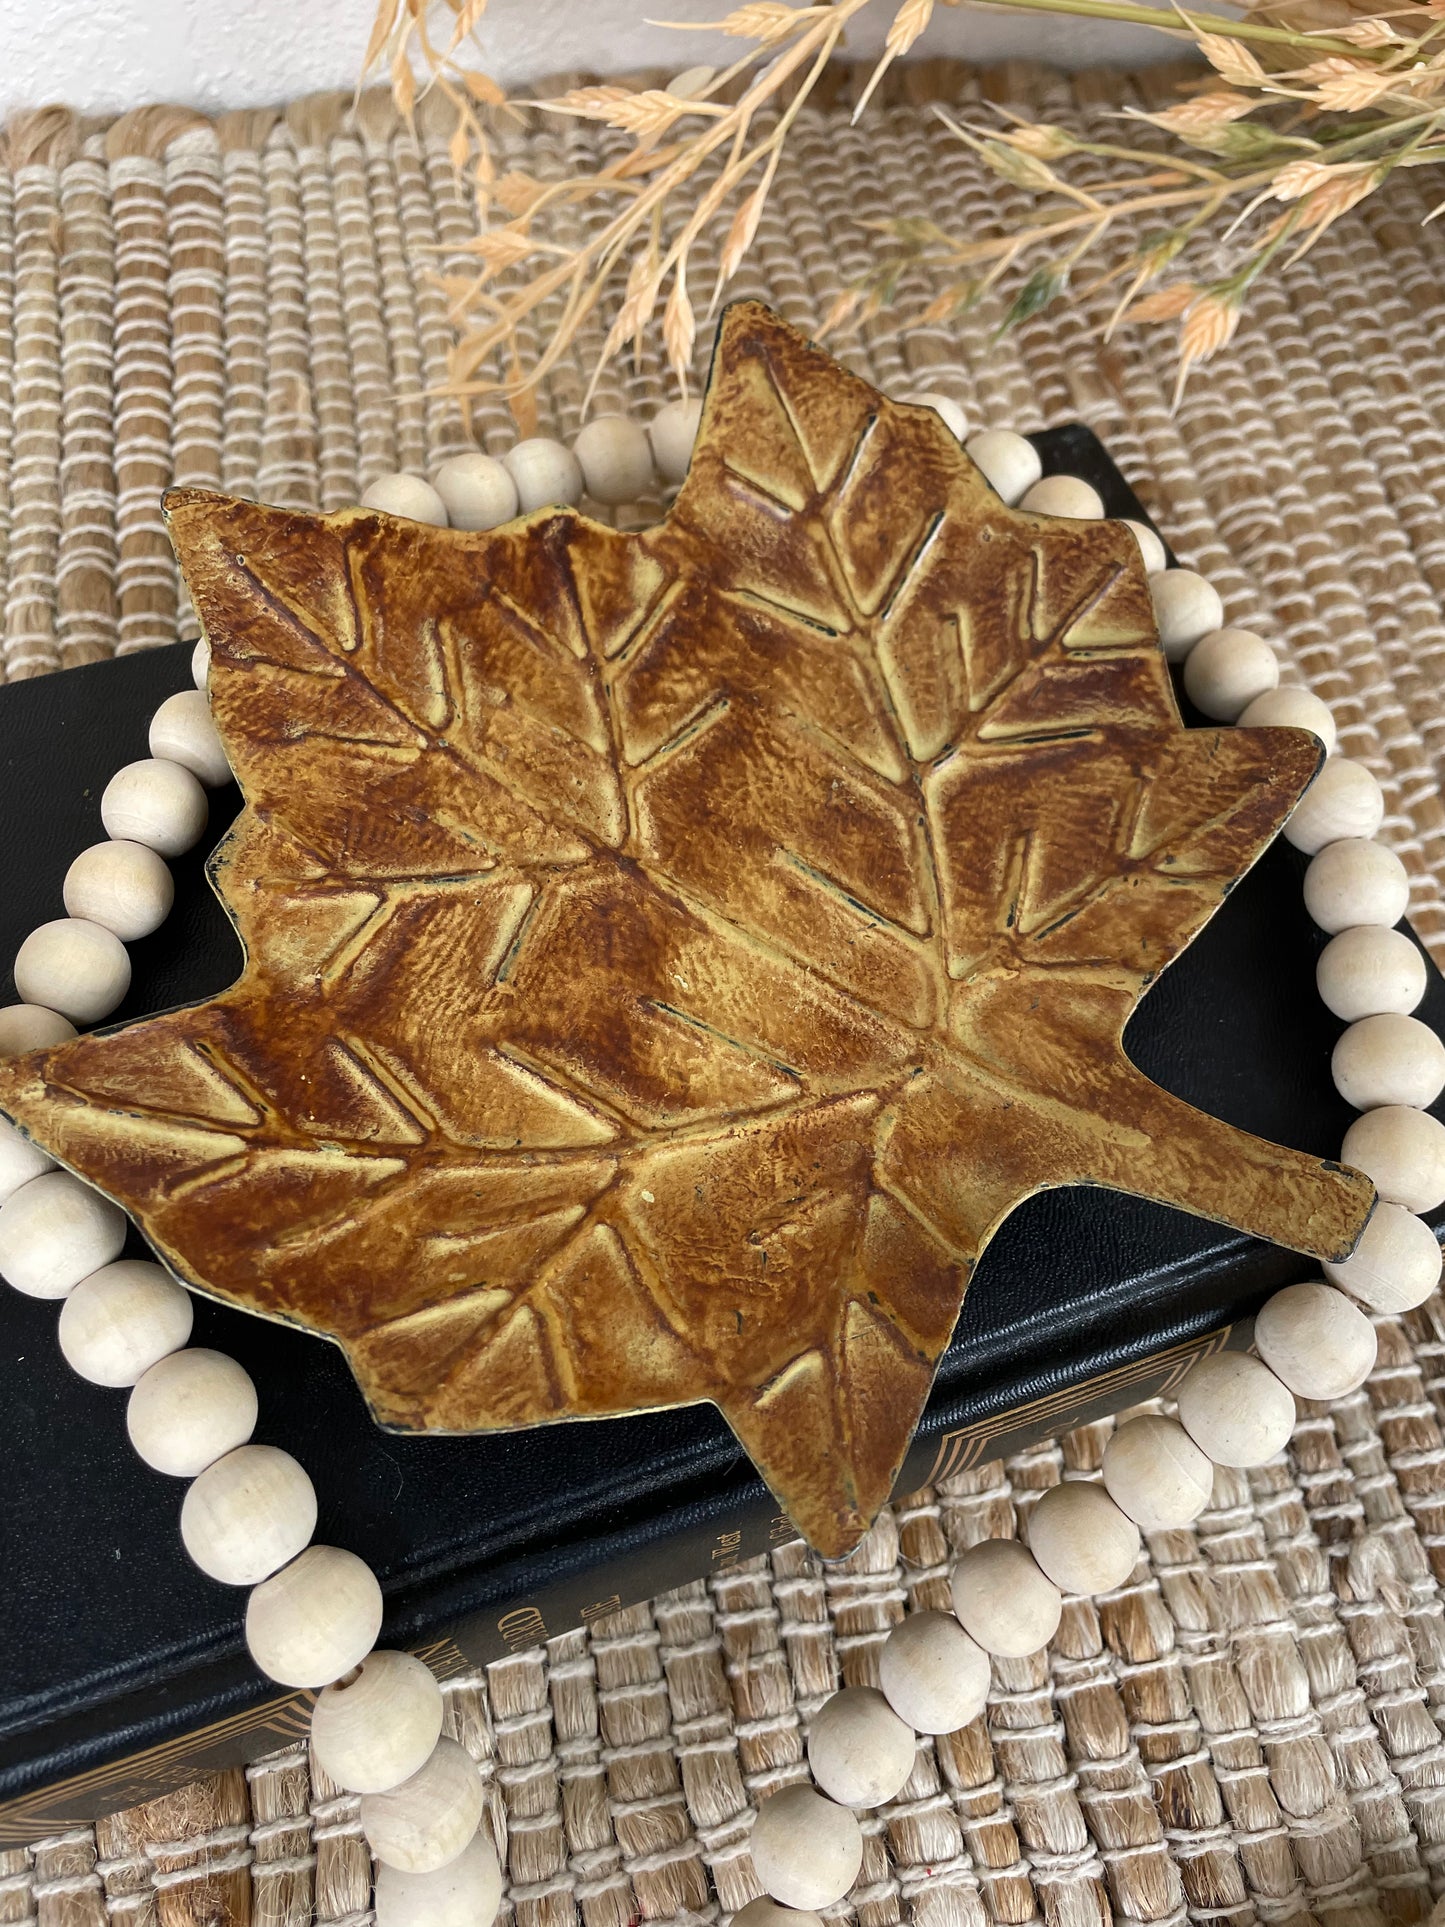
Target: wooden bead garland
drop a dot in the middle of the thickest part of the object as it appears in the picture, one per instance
(54, 1231)
(80, 969)
(1365, 971)
(189, 1410)
(1226, 670)
(124, 887)
(1402, 1152)
(465, 1893)
(615, 457)
(1151, 550)
(407, 496)
(1066, 495)
(157, 803)
(1186, 607)
(31, 1027)
(1355, 882)
(1291, 709)
(859, 1751)
(673, 433)
(1388, 1059)
(806, 1850)
(1236, 1410)
(476, 491)
(946, 409)
(1315, 1341)
(1081, 1539)
(1343, 800)
(373, 1731)
(430, 1818)
(764, 1912)
(123, 1319)
(247, 1515)
(1156, 1474)
(20, 1160)
(315, 1619)
(1009, 463)
(545, 474)
(1002, 1599)
(182, 732)
(932, 1674)
(1396, 1264)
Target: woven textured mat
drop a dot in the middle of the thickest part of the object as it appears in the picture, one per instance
(1252, 1729)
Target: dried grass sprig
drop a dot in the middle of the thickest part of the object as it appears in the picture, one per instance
(1296, 126)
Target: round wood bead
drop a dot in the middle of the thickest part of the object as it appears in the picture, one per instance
(247, 1514)
(73, 966)
(1156, 1474)
(1004, 1601)
(859, 1751)
(26, 1027)
(932, 1673)
(1291, 709)
(545, 473)
(20, 1160)
(615, 457)
(1009, 463)
(315, 1619)
(157, 803)
(1082, 1540)
(201, 663)
(1354, 882)
(764, 1912)
(477, 491)
(183, 731)
(1315, 1341)
(123, 1319)
(1152, 552)
(946, 409)
(124, 887)
(54, 1231)
(806, 1850)
(1236, 1410)
(1394, 1267)
(1186, 607)
(374, 1731)
(673, 433)
(1388, 1059)
(189, 1410)
(1365, 971)
(1226, 670)
(1402, 1152)
(466, 1892)
(427, 1820)
(1343, 800)
(1067, 495)
(408, 496)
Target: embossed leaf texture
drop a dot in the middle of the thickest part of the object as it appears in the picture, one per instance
(670, 956)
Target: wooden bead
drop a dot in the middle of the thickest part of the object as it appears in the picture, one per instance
(1354, 882)
(946, 409)
(1343, 800)
(1315, 1341)
(248, 1514)
(123, 1319)
(409, 497)
(1365, 971)
(374, 1731)
(183, 731)
(615, 457)
(157, 803)
(1394, 1267)
(1236, 1410)
(1402, 1152)
(315, 1619)
(932, 1674)
(1186, 607)
(427, 1820)
(54, 1231)
(1152, 552)
(764, 1912)
(1004, 1601)
(1156, 1474)
(859, 1751)
(1291, 709)
(1226, 670)
(673, 433)
(806, 1850)
(26, 1027)
(1081, 1539)
(1388, 1059)
(545, 473)
(1066, 495)
(20, 1160)
(201, 663)
(124, 887)
(189, 1410)
(73, 966)
(1009, 463)
(467, 1892)
(477, 491)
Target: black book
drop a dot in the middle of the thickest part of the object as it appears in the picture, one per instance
(122, 1667)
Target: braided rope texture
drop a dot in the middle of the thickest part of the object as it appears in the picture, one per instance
(1250, 1731)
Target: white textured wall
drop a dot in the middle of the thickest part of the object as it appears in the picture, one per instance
(107, 55)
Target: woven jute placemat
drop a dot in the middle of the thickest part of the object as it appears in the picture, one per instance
(1251, 1729)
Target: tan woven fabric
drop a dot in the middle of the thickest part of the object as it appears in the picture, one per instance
(1250, 1731)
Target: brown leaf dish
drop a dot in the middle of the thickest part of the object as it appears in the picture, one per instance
(670, 956)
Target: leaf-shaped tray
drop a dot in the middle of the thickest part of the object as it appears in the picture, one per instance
(669, 957)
